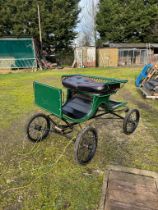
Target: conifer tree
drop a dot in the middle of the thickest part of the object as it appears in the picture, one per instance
(58, 20)
(128, 20)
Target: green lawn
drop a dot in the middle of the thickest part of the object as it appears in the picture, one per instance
(45, 175)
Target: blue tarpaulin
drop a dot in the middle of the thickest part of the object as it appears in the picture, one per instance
(143, 74)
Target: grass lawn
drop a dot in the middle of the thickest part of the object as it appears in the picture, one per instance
(45, 175)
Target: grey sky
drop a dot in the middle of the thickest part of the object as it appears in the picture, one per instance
(86, 18)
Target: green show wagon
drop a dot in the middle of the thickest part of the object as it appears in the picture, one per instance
(88, 97)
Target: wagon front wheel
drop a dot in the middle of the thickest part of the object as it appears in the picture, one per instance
(131, 121)
(38, 127)
(85, 145)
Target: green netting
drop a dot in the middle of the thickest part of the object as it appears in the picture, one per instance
(17, 53)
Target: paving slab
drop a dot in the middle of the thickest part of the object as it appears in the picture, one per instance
(129, 189)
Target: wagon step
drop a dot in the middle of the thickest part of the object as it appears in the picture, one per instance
(112, 105)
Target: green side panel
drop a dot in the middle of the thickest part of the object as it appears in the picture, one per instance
(48, 98)
(17, 53)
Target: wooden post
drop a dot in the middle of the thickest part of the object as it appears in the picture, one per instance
(39, 25)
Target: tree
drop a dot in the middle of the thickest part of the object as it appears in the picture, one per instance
(58, 20)
(128, 20)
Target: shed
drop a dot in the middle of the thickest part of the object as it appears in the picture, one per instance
(107, 57)
(131, 53)
(85, 57)
(17, 53)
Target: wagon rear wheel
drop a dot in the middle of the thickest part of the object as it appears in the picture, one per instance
(38, 127)
(85, 145)
(131, 121)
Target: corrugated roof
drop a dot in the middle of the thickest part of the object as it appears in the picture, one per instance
(130, 45)
(154, 45)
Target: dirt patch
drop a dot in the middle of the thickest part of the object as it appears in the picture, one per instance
(3, 71)
(128, 96)
(9, 71)
(13, 137)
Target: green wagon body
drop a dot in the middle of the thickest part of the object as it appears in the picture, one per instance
(88, 97)
(50, 98)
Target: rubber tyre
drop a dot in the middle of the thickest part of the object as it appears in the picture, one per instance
(80, 139)
(31, 120)
(127, 120)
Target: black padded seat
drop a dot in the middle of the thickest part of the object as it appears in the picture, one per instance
(86, 84)
(77, 107)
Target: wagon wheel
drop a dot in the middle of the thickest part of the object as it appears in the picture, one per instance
(38, 127)
(131, 121)
(85, 145)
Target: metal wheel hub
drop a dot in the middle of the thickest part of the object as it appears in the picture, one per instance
(38, 127)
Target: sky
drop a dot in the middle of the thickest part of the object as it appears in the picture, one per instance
(84, 17)
(86, 24)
